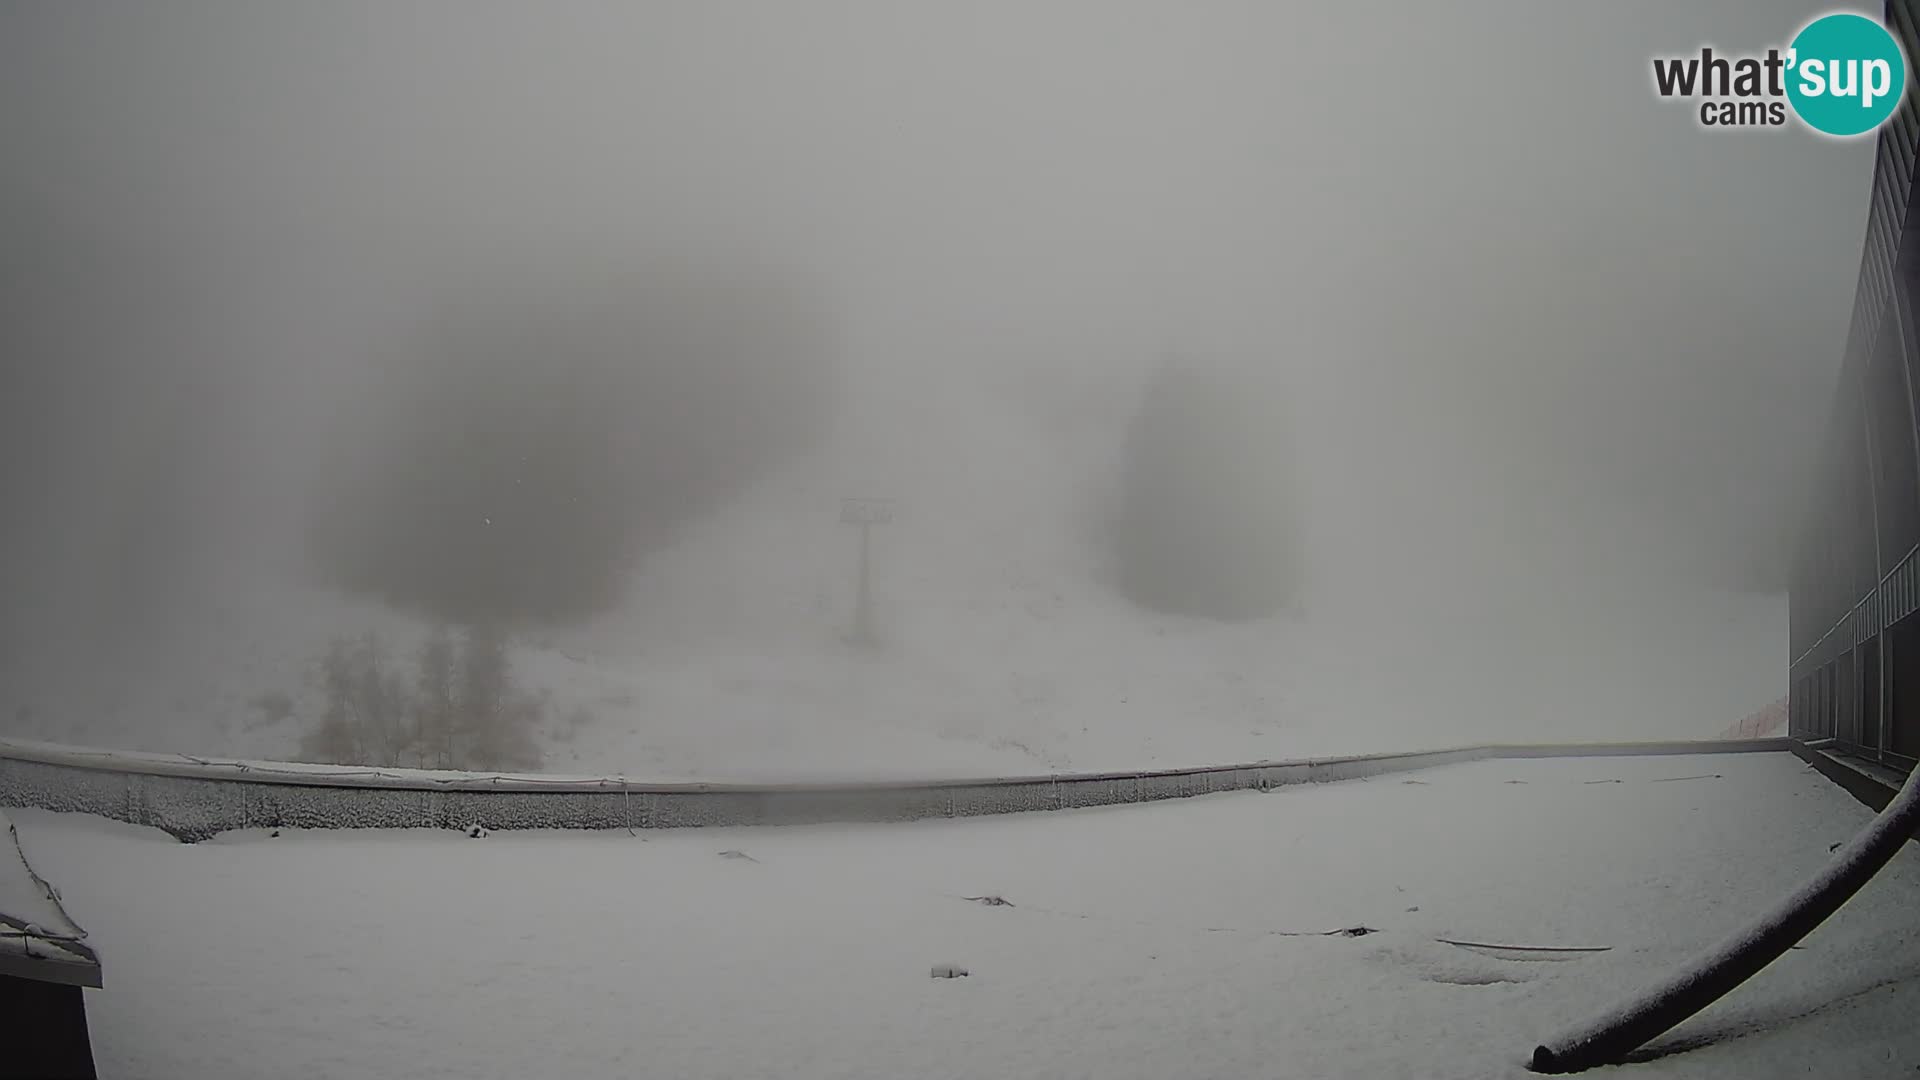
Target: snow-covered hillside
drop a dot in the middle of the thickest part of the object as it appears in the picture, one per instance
(1005, 647)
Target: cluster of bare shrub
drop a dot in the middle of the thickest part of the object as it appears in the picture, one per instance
(459, 708)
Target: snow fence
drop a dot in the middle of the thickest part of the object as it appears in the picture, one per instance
(195, 798)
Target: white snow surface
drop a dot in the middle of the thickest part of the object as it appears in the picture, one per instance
(1006, 647)
(31, 917)
(1142, 941)
(728, 660)
(20, 896)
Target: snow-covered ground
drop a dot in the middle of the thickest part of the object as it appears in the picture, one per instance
(1006, 647)
(32, 924)
(1005, 652)
(1148, 941)
(1017, 676)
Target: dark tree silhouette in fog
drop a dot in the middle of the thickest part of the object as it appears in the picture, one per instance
(537, 443)
(1204, 527)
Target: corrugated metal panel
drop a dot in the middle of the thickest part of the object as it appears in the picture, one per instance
(1896, 594)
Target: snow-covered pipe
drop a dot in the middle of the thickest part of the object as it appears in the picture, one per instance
(1631, 1024)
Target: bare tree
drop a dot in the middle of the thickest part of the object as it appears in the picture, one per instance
(435, 704)
(462, 710)
(496, 719)
(367, 713)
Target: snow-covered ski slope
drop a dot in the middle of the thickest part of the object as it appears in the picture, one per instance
(1006, 648)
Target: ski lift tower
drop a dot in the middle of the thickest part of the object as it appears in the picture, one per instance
(866, 513)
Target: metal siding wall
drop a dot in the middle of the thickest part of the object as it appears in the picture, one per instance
(1895, 492)
(1856, 573)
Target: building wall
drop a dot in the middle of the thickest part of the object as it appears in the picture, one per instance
(1855, 596)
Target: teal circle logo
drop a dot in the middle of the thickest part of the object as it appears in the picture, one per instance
(1846, 74)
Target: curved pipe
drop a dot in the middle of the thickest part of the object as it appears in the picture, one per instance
(1609, 1039)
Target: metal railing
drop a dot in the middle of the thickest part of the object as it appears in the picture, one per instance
(1895, 596)
(195, 798)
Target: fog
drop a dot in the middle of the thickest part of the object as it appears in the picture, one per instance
(1528, 363)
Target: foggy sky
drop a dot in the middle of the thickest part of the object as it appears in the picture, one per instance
(1530, 319)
